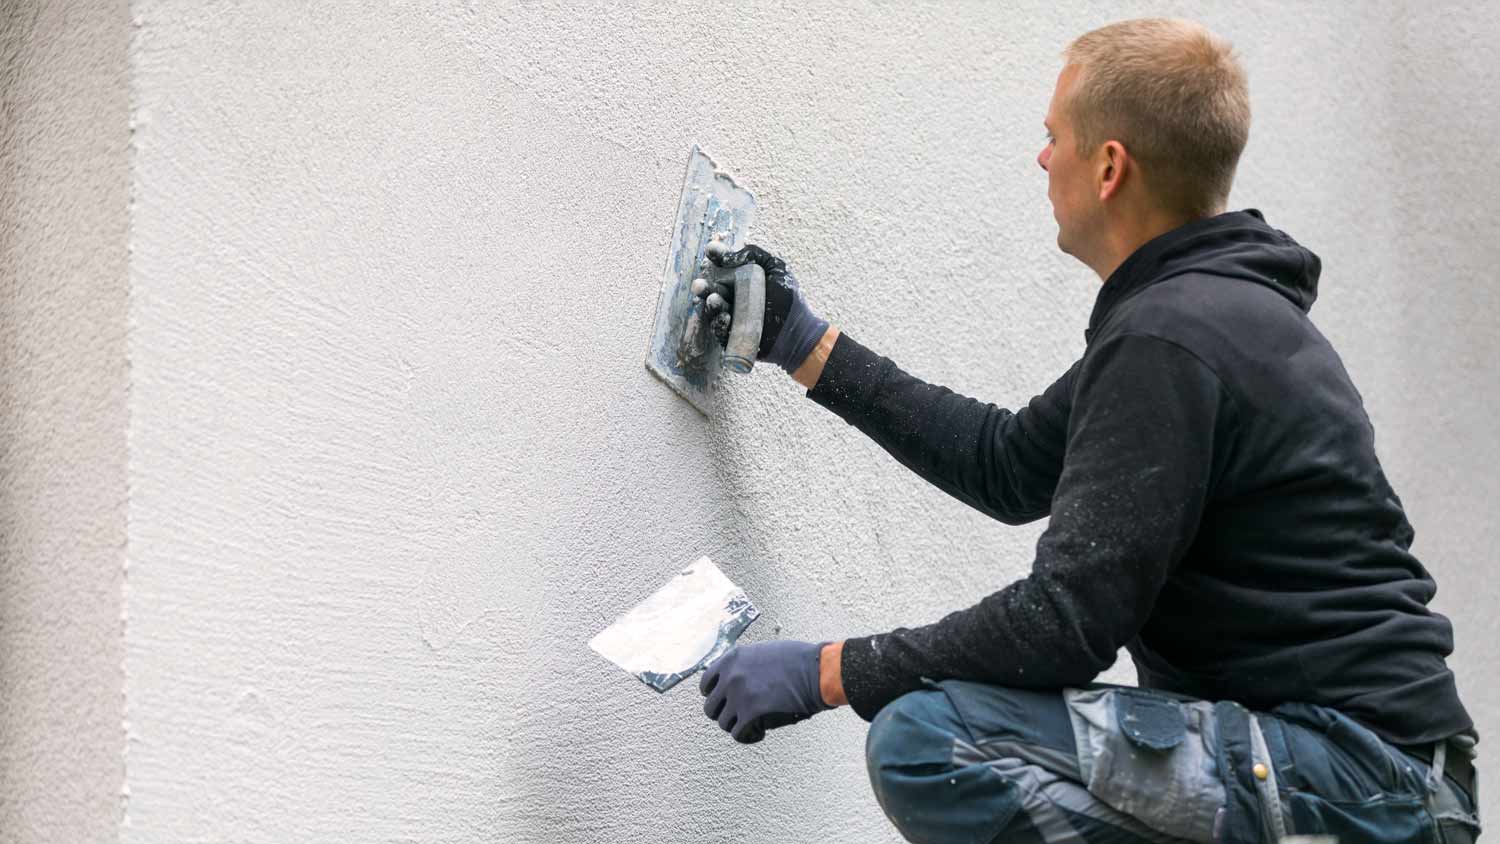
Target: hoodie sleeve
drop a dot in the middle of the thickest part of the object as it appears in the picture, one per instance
(1003, 464)
(1134, 482)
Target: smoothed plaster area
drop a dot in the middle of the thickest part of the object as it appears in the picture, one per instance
(64, 179)
(395, 458)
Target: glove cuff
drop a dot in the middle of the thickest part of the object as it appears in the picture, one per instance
(799, 334)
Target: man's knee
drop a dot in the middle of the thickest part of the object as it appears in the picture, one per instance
(920, 726)
(917, 729)
(924, 788)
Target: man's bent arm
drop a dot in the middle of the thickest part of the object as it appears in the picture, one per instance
(1128, 505)
(1003, 464)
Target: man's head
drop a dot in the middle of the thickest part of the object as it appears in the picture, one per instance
(1145, 129)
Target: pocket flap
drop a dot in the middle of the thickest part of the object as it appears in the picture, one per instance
(1150, 721)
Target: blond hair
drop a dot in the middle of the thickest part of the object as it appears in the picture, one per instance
(1175, 95)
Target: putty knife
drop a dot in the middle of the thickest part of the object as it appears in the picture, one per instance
(687, 624)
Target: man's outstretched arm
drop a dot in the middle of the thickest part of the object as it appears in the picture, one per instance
(1004, 464)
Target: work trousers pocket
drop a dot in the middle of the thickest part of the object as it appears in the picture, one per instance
(1377, 820)
(1338, 778)
(1149, 756)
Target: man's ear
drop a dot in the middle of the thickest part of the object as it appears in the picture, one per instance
(1114, 164)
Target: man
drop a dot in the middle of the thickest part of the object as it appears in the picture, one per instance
(1216, 507)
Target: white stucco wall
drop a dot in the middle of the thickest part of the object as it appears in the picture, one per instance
(393, 456)
(64, 132)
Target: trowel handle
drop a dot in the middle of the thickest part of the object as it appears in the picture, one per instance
(749, 317)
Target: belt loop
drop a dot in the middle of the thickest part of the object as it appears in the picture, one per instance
(1439, 761)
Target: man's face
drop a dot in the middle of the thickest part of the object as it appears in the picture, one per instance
(1070, 183)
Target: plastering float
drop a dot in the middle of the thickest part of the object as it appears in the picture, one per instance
(714, 212)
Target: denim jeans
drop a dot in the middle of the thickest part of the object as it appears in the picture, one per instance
(965, 762)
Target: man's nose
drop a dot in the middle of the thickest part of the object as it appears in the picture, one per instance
(1044, 156)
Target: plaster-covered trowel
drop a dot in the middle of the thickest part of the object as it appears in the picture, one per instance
(687, 624)
(713, 213)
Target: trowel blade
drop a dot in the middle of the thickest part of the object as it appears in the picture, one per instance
(686, 624)
(711, 204)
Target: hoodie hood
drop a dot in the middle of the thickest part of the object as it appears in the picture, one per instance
(1234, 245)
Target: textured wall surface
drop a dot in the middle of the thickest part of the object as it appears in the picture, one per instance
(394, 457)
(64, 179)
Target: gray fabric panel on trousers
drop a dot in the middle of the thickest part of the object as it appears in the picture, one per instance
(1056, 761)
(1167, 780)
(1048, 799)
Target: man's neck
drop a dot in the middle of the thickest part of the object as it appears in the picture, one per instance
(1129, 232)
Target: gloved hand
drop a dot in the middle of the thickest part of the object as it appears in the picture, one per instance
(762, 686)
(791, 329)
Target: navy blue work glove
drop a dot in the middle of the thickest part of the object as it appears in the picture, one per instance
(760, 687)
(791, 329)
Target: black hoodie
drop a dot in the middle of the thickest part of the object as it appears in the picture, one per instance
(1217, 506)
